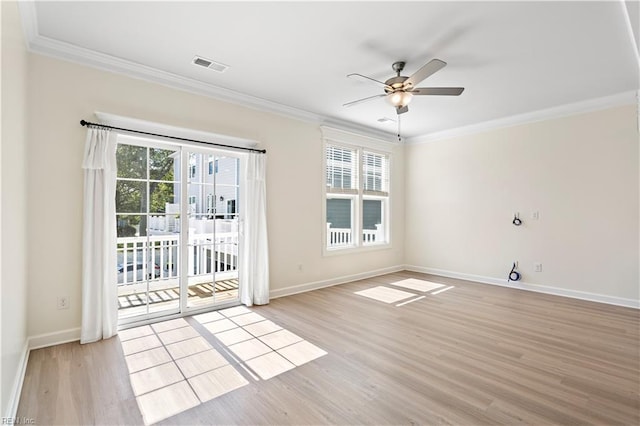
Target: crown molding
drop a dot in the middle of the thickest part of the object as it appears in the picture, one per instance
(46, 46)
(80, 55)
(29, 19)
(70, 52)
(629, 25)
(625, 98)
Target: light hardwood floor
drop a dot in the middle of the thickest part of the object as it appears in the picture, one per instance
(474, 354)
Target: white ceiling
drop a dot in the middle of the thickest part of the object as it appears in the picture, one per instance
(293, 57)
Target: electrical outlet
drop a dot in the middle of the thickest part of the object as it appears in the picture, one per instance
(537, 267)
(535, 215)
(63, 302)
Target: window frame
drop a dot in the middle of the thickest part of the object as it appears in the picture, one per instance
(360, 144)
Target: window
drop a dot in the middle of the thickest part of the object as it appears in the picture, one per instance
(231, 209)
(375, 196)
(357, 197)
(192, 166)
(213, 165)
(342, 195)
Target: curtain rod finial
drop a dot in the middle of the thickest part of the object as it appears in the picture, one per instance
(83, 123)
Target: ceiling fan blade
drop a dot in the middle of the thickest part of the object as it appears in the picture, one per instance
(428, 69)
(348, 104)
(402, 110)
(438, 91)
(361, 77)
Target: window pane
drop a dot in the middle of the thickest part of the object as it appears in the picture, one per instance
(227, 184)
(131, 226)
(162, 194)
(200, 198)
(375, 171)
(372, 222)
(131, 161)
(131, 196)
(339, 222)
(341, 168)
(162, 164)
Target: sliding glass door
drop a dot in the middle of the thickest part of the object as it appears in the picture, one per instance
(213, 188)
(177, 227)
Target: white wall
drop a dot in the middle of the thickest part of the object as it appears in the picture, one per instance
(580, 172)
(13, 211)
(62, 93)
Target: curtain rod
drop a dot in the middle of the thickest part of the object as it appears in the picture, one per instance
(104, 126)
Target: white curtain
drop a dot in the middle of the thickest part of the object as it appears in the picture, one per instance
(254, 273)
(99, 298)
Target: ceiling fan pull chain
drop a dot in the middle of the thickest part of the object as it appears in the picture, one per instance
(399, 138)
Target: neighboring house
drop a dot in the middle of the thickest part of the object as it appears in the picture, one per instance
(213, 186)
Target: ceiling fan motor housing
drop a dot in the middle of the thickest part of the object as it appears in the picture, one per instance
(395, 84)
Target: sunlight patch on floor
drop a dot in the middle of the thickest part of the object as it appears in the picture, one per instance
(166, 402)
(393, 295)
(416, 284)
(217, 382)
(385, 294)
(173, 368)
(443, 290)
(264, 347)
(411, 301)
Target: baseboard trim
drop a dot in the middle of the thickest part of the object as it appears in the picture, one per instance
(73, 334)
(16, 389)
(574, 294)
(35, 342)
(301, 288)
(55, 338)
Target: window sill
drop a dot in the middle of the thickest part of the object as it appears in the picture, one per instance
(336, 251)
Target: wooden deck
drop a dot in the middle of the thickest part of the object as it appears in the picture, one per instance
(132, 304)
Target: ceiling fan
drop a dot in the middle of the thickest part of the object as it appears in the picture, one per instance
(399, 90)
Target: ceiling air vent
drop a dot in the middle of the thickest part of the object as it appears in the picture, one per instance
(207, 63)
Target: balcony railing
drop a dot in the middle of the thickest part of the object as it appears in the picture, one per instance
(156, 257)
(341, 237)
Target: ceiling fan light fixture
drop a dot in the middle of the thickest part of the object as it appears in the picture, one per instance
(400, 98)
